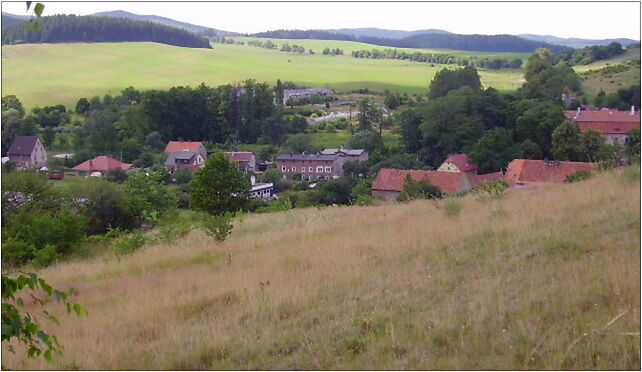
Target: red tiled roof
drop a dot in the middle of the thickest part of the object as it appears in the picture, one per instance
(101, 164)
(483, 178)
(462, 162)
(540, 171)
(238, 156)
(394, 179)
(604, 115)
(607, 127)
(174, 146)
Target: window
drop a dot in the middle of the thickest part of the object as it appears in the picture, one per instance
(319, 169)
(283, 169)
(302, 169)
(328, 169)
(293, 169)
(310, 169)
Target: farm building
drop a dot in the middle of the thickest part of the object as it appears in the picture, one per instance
(245, 160)
(184, 159)
(99, 164)
(458, 163)
(525, 172)
(27, 152)
(310, 166)
(389, 182)
(349, 154)
(613, 124)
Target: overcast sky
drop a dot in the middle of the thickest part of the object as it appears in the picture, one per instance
(594, 20)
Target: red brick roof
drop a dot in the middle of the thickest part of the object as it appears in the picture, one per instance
(483, 178)
(526, 171)
(101, 164)
(394, 179)
(604, 115)
(238, 156)
(462, 162)
(607, 127)
(174, 146)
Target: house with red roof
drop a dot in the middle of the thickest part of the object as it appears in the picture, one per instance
(185, 154)
(173, 146)
(389, 182)
(480, 179)
(245, 160)
(525, 172)
(613, 124)
(99, 164)
(458, 163)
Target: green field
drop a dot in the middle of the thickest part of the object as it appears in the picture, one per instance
(41, 74)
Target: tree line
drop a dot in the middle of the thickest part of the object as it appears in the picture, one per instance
(493, 64)
(72, 28)
(480, 43)
(590, 54)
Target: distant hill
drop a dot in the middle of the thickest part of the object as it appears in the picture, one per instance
(478, 43)
(166, 21)
(71, 28)
(382, 33)
(576, 42)
(8, 18)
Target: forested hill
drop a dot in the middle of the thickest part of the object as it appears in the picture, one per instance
(478, 43)
(71, 28)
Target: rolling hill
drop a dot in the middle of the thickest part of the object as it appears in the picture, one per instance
(110, 67)
(545, 278)
(383, 33)
(576, 42)
(164, 21)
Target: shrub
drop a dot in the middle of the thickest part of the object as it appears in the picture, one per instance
(17, 252)
(129, 243)
(495, 189)
(183, 176)
(418, 190)
(578, 176)
(45, 256)
(218, 226)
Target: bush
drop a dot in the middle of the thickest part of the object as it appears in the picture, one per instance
(218, 226)
(495, 189)
(45, 256)
(578, 176)
(16, 252)
(183, 176)
(129, 243)
(418, 190)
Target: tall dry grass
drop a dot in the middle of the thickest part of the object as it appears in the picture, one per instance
(546, 278)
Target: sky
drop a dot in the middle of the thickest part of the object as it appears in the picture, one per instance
(589, 20)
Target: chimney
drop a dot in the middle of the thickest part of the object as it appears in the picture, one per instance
(632, 110)
(578, 111)
(253, 180)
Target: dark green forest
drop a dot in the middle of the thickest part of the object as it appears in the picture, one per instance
(71, 28)
(478, 43)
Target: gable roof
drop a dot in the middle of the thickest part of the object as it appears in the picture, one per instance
(101, 163)
(173, 146)
(603, 115)
(179, 155)
(23, 145)
(238, 156)
(393, 179)
(349, 152)
(309, 157)
(483, 178)
(607, 127)
(527, 171)
(462, 162)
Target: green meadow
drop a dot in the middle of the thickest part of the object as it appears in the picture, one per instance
(42, 74)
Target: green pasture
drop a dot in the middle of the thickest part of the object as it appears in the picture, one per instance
(42, 74)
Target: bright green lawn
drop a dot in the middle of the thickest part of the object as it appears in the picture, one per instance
(42, 74)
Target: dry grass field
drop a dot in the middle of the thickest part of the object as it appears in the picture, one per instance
(544, 278)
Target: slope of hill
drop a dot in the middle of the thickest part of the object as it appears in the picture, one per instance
(482, 43)
(544, 278)
(576, 42)
(71, 28)
(100, 68)
(8, 18)
(383, 33)
(165, 21)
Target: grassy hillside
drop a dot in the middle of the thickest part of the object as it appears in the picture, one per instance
(544, 278)
(611, 74)
(61, 73)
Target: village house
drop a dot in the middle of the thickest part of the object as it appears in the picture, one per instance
(173, 146)
(458, 163)
(310, 166)
(348, 154)
(525, 172)
(245, 160)
(264, 191)
(184, 159)
(305, 93)
(98, 165)
(27, 152)
(480, 179)
(389, 182)
(613, 124)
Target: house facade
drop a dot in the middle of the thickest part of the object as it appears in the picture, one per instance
(613, 124)
(389, 182)
(264, 191)
(310, 166)
(28, 152)
(184, 159)
(98, 165)
(245, 160)
(526, 172)
(458, 163)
